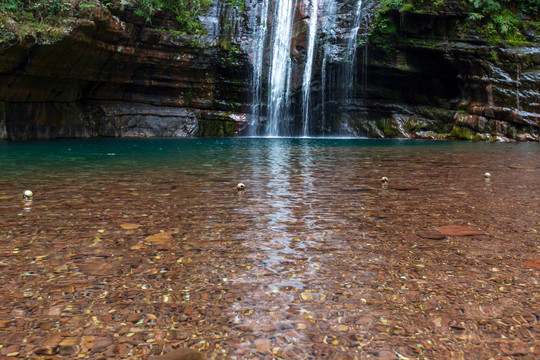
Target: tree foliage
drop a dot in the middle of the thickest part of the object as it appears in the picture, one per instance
(502, 19)
(39, 10)
(497, 19)
(186, 11)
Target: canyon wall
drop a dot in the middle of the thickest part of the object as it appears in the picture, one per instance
(430, 76)
(425, 75)
(109, 73)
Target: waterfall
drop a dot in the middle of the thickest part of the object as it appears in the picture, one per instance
(349, 73)
(352, 45)
(332, 26)
(258, 64)
(323, 93)
(280, 68)
(306, 83)
(328, 27)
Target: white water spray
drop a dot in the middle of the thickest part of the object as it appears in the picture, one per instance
(281, 65)
(351, 50)
(273, 77)
(306, 84)
(258, 63)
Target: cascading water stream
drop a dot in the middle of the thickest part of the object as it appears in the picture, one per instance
(275, 83)
(328, 27)
(306, 84)
(258, 64)
(351, 53)
(323, 92)
(280, 67)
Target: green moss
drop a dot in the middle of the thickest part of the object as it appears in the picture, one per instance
(216, 128)
(36, 10)
(387, 128)
(462, 133)
(188, 95)
(518, 42)
(197, 44)
(229, 128)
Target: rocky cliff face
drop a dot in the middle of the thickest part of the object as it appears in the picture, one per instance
(431, 77)
(109, 74)
(425, 76)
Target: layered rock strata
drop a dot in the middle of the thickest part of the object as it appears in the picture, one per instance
(429, 77)
(113, 75)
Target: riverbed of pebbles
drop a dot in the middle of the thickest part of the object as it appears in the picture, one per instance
(316, 262)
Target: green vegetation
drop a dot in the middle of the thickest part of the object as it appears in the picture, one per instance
(38, 10)
(410, 5)
(462, 133)
(186, 12)
(43, 19)
(501, 20)
(387, 127)
(34, 14)
(497, 20)
(240, 4)
(231, 60)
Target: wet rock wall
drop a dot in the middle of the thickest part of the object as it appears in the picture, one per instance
(112, 74)
(430, 77)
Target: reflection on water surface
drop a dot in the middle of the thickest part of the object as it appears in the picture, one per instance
(315, 259)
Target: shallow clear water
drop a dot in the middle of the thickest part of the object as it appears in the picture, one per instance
(315, 259)
(21, 158)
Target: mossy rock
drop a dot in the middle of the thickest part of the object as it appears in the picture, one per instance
(216, 128)
(463, 133)
(388, 129)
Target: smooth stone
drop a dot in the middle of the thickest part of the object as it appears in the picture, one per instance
(457, 230)
(404, 188)
(101, 344)
(180, 354)
(99, 268)
(386, 355)
(45, 351)
(431, 234)
(533, 263)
